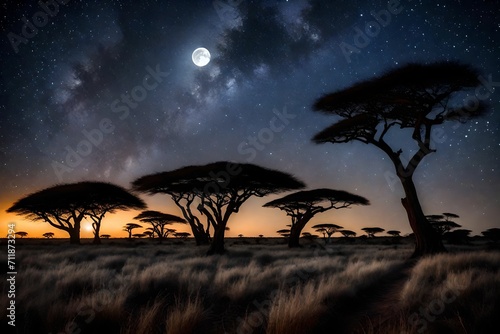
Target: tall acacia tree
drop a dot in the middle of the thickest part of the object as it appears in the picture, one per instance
(414, 99)
(65, 206)
(218, 190)
(304, 205)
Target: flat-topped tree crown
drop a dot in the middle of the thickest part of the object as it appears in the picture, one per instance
(415, 97)
(303, 205)
(371, 231)
(158, 221)
(64, 206)
(219, 178)
(216, 190)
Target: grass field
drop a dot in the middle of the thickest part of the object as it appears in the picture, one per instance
(143, 287)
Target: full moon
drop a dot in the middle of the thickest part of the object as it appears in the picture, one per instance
(201, 57)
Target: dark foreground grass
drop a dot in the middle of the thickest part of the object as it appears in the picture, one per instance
(122, 287)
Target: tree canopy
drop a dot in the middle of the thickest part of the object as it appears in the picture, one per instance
(327, 230)
(217, 190)
(415, 97)
(65, 206)
(159, 221)
(301, 206)
(371, 231)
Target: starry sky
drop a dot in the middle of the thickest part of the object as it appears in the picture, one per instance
(119, 75)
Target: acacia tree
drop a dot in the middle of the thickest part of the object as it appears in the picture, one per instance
(442, 223)
(48, 235)
(129, 227)
(493, 234)
(182, 235)
(108, 198)
(304, 205)
(348, 233)
(414, 97)
(159, 222)
(394, 233)
(21, 234)
(371, 231)
(65, 206)
(218, 190)
(327, 230)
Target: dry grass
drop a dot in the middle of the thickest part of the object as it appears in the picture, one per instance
(253, 289)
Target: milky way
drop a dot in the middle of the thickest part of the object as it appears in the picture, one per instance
(106, 90)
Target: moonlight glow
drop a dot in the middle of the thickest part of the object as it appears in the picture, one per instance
(201, 57)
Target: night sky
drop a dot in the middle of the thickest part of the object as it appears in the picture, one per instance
(120, 72)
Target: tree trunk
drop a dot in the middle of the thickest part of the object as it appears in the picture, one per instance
(97, 239)
(217, 245)
(293, 239)
(74, 236)
(199, 235)
(427, 240)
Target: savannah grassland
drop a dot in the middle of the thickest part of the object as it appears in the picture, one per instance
(259, 286)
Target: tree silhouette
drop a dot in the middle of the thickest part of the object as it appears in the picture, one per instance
(285, 233)
(159, 222)
(309, 237)
(129, 227)
(65, 206)
(460, 236)
(394, 233)
(416, 97)
(304, 205)
(48, 235)
(493, 234)
(105, 236)
(21, 234)
(348, 233)
(218, 190)
(149, 233)
(442, 223)
(182, 235)
(327, 230)
(108, 198)
(371, 231)
(139, 235)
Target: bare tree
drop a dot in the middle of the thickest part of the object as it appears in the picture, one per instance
(129, 227)
(304, 205)
(371, 231)
(65, 206)
(416, 97)
(327, 230)
(217, 190)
